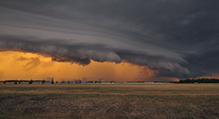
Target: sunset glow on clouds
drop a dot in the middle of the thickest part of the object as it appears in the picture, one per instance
(168, 39)
(19, 65)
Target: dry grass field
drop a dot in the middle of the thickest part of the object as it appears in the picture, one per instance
(151, 101)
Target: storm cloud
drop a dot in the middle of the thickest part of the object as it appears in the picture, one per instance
(176, 38)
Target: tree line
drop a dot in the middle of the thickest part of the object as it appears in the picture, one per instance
(29, 82)
(198, 80)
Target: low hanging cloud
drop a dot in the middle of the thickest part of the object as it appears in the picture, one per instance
(176, 38)
(31, 62)
(71, 59)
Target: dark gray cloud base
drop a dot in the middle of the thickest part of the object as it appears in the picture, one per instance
(177, 38)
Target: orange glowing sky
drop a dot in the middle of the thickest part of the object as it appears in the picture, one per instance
(20, 65)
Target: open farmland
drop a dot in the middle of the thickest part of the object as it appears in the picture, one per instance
(109, 101)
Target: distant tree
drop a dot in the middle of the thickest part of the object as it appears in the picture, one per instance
(57, 82)
(43, 81)
(52, 82)
(19, 82)
(31, 81)
(4, 82)
(15, 82)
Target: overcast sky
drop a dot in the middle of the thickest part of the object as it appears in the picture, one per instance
(177, 38)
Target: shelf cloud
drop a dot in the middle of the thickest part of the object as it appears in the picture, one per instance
(176, 38)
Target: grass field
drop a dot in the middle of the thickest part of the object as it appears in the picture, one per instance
(109, 101)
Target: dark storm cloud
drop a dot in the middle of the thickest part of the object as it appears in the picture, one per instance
(178, 38)
(60, 51)
(77, 60)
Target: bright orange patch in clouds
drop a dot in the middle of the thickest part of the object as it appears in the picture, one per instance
(20, 65)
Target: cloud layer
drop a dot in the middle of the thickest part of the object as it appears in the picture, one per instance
(176, 38)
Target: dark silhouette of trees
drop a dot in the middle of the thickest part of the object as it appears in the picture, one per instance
(52, 82)
(31, 81)
(199, 80)
(43, 81)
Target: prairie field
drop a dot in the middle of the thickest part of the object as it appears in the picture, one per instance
(150, 101)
